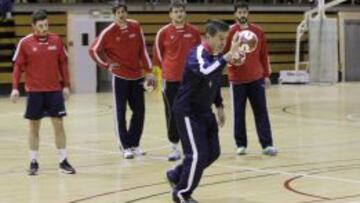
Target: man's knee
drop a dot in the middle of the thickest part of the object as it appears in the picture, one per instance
(58, 125)
(214, 156)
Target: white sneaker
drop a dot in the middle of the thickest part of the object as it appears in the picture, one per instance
(270, 151)
(174, 155)
(241, 151)
(128, 154)
(137, 151)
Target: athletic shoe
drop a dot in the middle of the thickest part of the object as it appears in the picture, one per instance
(138, 151)
(187, 200)
(128, 154)
(34, 168)
(170, 179)
(241, 151)
(270, 151)
(174, 155)
(66, 168)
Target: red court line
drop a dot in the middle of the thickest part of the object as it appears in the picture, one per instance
(288, 186)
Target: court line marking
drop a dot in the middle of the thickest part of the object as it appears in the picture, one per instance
(163, 193)
(300, 118)
(285, 149)
(283, 173)
(288, 186)
(355, 117)
(84, 148)
(218, 165)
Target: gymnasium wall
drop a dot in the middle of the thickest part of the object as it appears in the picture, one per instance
(10, 34)
(279, 26)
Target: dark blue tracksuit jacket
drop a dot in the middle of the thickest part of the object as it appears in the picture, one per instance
(197, 126)
(200, 86)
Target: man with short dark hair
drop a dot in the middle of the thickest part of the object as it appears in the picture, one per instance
(248, 80)
(196, 123)
(120, 48)
(172, 45)
(42, 57)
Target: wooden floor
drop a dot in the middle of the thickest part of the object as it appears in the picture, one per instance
(316, 129)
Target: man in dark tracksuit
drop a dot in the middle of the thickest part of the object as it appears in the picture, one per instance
(196, 123)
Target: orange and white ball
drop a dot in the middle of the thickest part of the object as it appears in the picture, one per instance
(248, 41)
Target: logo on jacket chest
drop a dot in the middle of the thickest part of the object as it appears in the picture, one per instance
(188, 35)
(34, 49)
(132, 35)
(129, 36)
(52, 48)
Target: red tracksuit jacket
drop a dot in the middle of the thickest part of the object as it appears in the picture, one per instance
(256, 65)
(171, 48)
(44, 62)
(125, 47)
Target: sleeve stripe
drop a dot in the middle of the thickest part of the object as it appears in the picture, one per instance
(65, 51)
(199, 51)
(201, 61)
(96, 47)
(19, 47)
(157, 42)
(145, 50)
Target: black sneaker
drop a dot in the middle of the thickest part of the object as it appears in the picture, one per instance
(34, 168)
(191, 200)
(65, 167)
(187, 200)
(170, 180)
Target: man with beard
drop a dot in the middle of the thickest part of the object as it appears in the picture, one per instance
(121, 49)
(248, 81)
(172, 45)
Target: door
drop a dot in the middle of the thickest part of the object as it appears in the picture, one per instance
(103, 77)
(352, 50)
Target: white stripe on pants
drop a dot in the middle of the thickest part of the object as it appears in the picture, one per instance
(194, 159)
